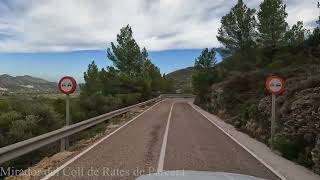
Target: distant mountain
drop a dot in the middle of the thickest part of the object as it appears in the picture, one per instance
(182, 79)
(25, 84)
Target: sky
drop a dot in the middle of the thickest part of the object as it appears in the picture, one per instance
(51, 38)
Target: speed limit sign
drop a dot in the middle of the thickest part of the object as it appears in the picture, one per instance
(67, 85)
(275, 84)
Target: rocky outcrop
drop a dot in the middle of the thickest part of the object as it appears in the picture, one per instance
(301, 117)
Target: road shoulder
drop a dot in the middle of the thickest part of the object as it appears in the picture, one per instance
(289, 170)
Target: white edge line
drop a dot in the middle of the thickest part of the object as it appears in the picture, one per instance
(95, 144)
(244, 147)
(164, 143)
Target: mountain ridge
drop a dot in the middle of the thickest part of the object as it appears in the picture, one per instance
(25, 83)
(182, 79)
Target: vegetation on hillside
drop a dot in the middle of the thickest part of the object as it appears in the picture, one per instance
(182, 80)
(234, 89)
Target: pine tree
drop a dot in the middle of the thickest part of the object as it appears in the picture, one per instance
(295, 35)
(206, 61)
(272, 22)
(91, 78)
(126, 54)
(238, 29)
(204, 74)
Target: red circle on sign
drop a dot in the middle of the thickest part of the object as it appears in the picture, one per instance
(275, 84)
(67, 85)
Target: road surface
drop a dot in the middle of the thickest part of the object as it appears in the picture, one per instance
(171, 135)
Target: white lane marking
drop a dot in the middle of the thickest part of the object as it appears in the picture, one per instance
(95, 144)
(244, 147)
(164, 143)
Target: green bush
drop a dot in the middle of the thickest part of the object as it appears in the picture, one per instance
(27, 119)
(111, 103)
(4, 106)
(290, 148)
(305, 159)
(6, 119)
(129, 99)
(98, 104)
(59, 106)
(24, 129)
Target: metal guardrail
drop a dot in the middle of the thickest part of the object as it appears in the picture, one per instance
(15, 150)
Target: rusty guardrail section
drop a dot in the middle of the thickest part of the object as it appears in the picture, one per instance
(15, 150)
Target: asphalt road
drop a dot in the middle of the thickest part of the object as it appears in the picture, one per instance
(188, 142)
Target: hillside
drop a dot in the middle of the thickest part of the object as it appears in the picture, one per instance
(182, 80)
(25, 84)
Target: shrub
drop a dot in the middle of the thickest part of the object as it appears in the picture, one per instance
(48, 119)
(290, 148)
(129, 99)
(6, 119)
(305, 159)
(59, 106)
(111, 103)
(24, 129)
(98, 104)
(5, 106)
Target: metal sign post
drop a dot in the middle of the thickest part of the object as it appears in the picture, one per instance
(67, 85)
(67, 117)
(274, 85)
(65, 141)
(273, 119)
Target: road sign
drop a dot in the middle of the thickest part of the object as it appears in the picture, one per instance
(275, 85)
(67, 85)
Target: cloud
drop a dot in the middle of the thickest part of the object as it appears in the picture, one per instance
(60, 25)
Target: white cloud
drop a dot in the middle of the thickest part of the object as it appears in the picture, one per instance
(64, 25)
